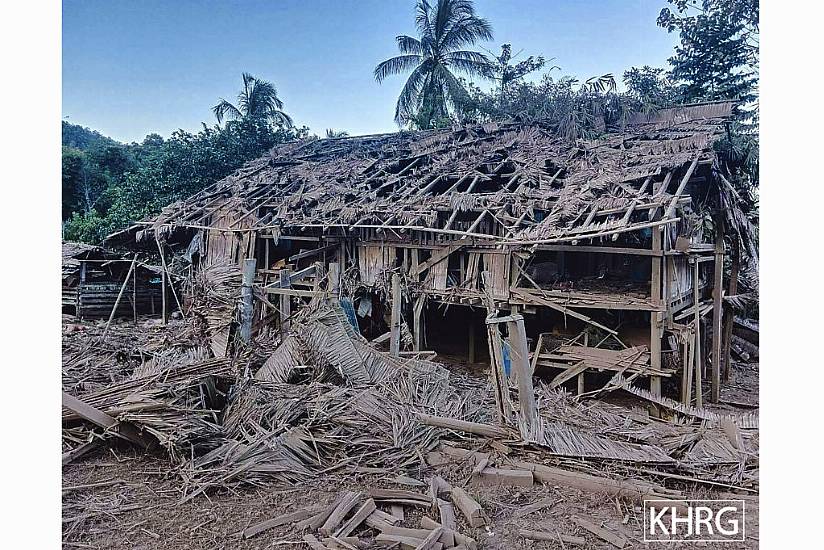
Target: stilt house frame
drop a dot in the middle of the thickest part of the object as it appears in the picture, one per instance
(600, 244)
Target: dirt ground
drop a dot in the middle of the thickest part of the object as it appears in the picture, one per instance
(118, 498)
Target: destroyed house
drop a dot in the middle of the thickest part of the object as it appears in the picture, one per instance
(601, 246)
(98, 283)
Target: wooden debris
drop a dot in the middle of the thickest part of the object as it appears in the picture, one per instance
(635, 491)
(360, 516)
(551, 537)
(500, 476)
(313, 542)
(542, 504)
(458, 537)
(447, 514)
(349, 501)
(284, 519)
(397, 511)
(431, 541)
(615, 540)
(469, 507)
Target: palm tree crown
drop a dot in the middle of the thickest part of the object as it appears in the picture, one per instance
(445, 28)
(257, 100)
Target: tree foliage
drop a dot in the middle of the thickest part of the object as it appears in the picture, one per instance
(718, 54)
(502, 70)
(258, 101)
(432, 91)
(572, 108)
(111, 185)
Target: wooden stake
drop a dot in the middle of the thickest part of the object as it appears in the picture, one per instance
(119, 295)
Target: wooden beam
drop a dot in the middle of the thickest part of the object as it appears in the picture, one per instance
(523, 374)
(437, 257)
(247, 299)
(117, 301)
(717, 310)
(674, 202)
(285, 300)
(105, 421)
(732, 290)
(697, 373)
(598, 249)
(395, 329)
(655, 317)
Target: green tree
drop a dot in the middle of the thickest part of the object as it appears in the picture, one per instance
(571, 108)
(72, 167)
(432, 90)
(652, 87)
(718, 54)
(257, 100)
(170, 169)
(502, 69)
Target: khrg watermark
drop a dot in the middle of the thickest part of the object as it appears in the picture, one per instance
(694, 520)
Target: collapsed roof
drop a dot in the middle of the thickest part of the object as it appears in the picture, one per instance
(535, 185)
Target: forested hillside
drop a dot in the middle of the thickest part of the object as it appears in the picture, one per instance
(107, 184)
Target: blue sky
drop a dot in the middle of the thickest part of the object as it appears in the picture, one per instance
(140, 66)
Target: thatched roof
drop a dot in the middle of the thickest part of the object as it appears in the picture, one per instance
(537, 185)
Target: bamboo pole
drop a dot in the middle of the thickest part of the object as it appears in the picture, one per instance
(117, 301)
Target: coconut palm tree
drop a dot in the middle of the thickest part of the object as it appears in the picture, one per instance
(445, 27)
(257, 100)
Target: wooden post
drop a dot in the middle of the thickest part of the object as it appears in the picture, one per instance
(686, 372)
(79, 298)
(500, 385)
(395, 334)
(164, 312)
(134, 295)
(698, 358)
(119, 295)
(655, 316)
(520, 365)
(247, 299)
(732, 290)
(418, 323)
(285, 301)
(334, 280)
(717, 311)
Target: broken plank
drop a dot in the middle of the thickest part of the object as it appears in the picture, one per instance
(542, 504)
(610, 537)
(551, 537)
(313, 542)
(486, 430)
(359, 517)
(346, 504)
(109, 423)
(284, 519)
(430, 542)
(501, 476)
(469, 507)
